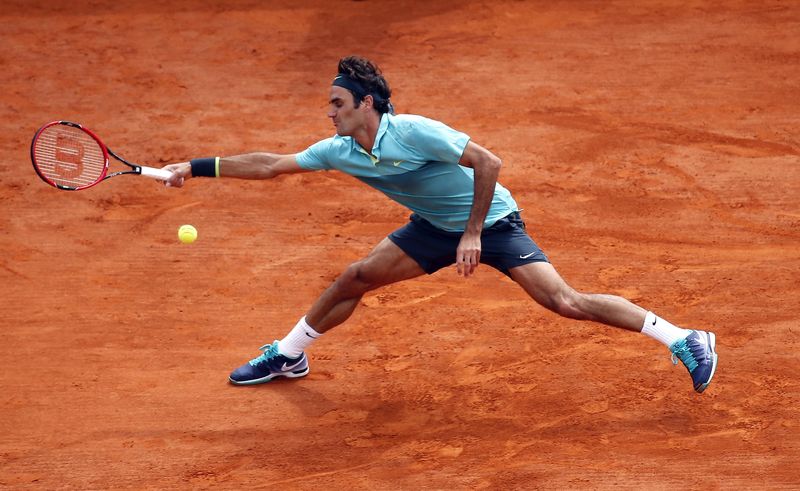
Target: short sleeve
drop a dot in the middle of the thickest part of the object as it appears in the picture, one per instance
(316, 157)
(436, 141)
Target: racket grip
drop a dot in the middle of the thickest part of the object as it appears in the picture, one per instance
(154, 173)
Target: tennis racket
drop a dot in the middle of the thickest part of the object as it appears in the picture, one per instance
(70, 157)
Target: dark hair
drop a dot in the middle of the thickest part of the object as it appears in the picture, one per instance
(369, 76)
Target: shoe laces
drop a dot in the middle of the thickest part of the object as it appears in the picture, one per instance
(681, 350)
(270, 351)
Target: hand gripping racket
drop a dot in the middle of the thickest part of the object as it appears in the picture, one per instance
(68, 156)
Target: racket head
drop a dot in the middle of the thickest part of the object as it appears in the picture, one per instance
(68, 156)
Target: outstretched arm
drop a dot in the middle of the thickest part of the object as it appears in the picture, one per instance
(487, 167)
(259, 165)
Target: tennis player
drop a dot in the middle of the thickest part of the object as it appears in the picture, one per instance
(460, 214)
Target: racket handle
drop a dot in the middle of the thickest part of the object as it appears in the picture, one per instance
(154, 173)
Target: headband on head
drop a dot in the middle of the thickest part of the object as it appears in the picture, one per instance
(344, 81)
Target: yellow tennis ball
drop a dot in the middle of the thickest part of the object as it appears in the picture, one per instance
(187, 234)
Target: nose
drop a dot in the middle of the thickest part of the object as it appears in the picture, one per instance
(331, 113)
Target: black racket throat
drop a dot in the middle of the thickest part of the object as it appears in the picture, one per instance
(135, 169)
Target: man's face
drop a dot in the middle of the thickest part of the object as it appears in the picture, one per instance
(342, 111)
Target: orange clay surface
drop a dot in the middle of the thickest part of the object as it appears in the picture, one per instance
(653, 146)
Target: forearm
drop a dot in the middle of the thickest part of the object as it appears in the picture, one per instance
(486, 173)
(257, 165)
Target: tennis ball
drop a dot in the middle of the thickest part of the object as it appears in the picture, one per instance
(187, 234)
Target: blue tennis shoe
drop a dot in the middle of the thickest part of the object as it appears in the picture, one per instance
(696, 352)
(269, 365)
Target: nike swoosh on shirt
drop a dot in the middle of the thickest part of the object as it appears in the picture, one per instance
(526, 256)
(397, 162)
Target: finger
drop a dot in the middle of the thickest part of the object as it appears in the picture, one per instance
(468, 267)
(464, 263)
(476, 259)
(174, 181)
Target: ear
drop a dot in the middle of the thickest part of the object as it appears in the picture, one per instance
(368, 101)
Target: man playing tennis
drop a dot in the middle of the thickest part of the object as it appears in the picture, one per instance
(461, 215)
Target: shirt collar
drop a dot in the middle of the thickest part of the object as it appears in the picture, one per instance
(375, 154)
(382, 127)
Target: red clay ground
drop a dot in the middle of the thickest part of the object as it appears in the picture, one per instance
(653, 147)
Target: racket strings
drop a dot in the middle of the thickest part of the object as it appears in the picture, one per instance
(68, 156)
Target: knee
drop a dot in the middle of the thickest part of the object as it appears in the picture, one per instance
(354, 280)
(568, 303)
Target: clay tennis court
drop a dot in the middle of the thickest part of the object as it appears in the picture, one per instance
(653, 146)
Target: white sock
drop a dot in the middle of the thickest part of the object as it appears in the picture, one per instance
(661, 330)
(298, 339)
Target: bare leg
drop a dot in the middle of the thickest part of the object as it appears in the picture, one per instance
(386, 264)
(543, 283)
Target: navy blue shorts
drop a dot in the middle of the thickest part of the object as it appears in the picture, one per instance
(504, 246)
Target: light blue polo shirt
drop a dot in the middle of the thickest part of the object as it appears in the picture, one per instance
(414, 162)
